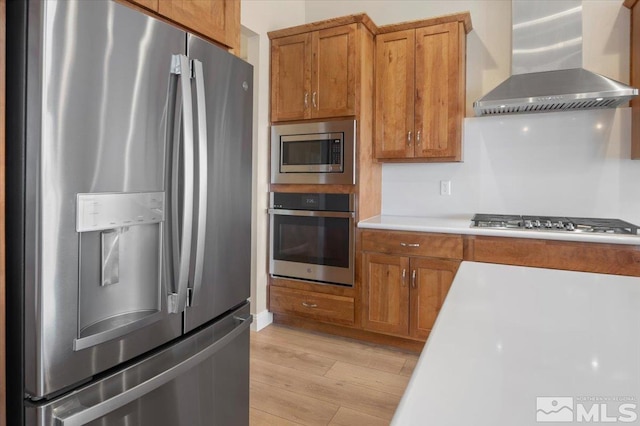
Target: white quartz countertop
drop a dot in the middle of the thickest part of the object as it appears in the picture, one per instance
(462, 225)
(509, 335)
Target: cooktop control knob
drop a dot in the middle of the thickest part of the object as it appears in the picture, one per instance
(536, 224)
(569, 227)
(528, 224)
(548, 224)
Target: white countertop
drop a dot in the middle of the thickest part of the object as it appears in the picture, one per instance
(462, 225)
(507, 335)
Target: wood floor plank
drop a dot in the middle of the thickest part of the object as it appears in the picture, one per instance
(290, 405)
(409, 366)
(292, 358)
(348, 417)
(261, 418)
(363, 376)
(338, 392)
(338, 350)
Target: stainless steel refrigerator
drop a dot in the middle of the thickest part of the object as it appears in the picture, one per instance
(128, 216)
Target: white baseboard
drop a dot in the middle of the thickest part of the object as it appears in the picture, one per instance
(261, 320)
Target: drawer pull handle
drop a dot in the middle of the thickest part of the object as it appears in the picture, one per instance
(309, 305)
(410, 244)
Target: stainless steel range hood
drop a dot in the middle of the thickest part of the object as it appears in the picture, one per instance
(546, 65)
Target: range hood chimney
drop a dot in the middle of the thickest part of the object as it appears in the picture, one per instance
(546, 65)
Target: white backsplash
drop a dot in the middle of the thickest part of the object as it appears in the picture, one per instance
(570, 163)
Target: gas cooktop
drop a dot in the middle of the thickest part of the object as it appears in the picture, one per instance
(554, 223)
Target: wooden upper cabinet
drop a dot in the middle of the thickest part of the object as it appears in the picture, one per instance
(420, 91)
(333, 72)
(394, 94)
(313, 74)
(440, 94)
(635, 76)
(148, 4)
(291, 77)
(218, 20)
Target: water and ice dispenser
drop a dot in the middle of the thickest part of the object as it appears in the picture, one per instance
(120, 264)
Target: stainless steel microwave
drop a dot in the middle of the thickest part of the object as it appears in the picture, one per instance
(314, 153)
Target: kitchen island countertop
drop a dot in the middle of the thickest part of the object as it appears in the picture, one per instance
(462, 225)
(515, 346)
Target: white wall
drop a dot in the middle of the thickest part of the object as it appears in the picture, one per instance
(571, 163)
(259, 17)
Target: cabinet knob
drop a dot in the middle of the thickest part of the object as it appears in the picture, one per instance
(309, 305)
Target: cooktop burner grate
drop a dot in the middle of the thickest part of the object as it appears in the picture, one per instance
(554, 223)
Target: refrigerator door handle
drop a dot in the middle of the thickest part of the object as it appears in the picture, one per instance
(76, 416)
(202, 159)
(181, 255)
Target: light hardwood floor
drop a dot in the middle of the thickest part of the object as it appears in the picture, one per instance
(306, 378)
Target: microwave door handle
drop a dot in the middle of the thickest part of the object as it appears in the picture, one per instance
(181, 252)
(310, 213)
(202, 159)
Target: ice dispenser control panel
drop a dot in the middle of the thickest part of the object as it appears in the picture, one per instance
(97, 212)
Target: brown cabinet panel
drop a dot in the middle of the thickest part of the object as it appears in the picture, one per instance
(420, 93)
(333, 81)
(291, 77)
(386, 295)
(317, 306)
(572, 256)
(433, 278)
(394, 96)
(216, 19)
(413, 243)
(438, 103)
(402, 293)
(149, 4)
(314, 75)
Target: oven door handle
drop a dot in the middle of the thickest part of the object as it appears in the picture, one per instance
(310, 213)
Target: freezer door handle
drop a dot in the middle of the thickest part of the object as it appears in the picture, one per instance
(75, 416)
(202, 158)
(181, 235)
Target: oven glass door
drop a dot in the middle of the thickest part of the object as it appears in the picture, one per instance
(312, 245)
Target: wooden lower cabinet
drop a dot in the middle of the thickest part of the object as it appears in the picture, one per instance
(309, 304)
(403, 295)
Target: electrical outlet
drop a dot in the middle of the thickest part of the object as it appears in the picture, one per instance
(445, 187)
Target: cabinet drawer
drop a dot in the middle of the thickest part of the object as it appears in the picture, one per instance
(413, 244)
(317, 306)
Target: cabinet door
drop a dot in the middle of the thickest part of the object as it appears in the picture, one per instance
(149, 4)
(439, 106)
(291, 77)
(394, 96)
(334, 79)
(216, 19)
(430, 282)
(386, 293)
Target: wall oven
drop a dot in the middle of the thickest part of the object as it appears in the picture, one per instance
(312, 237)
(313, 153)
